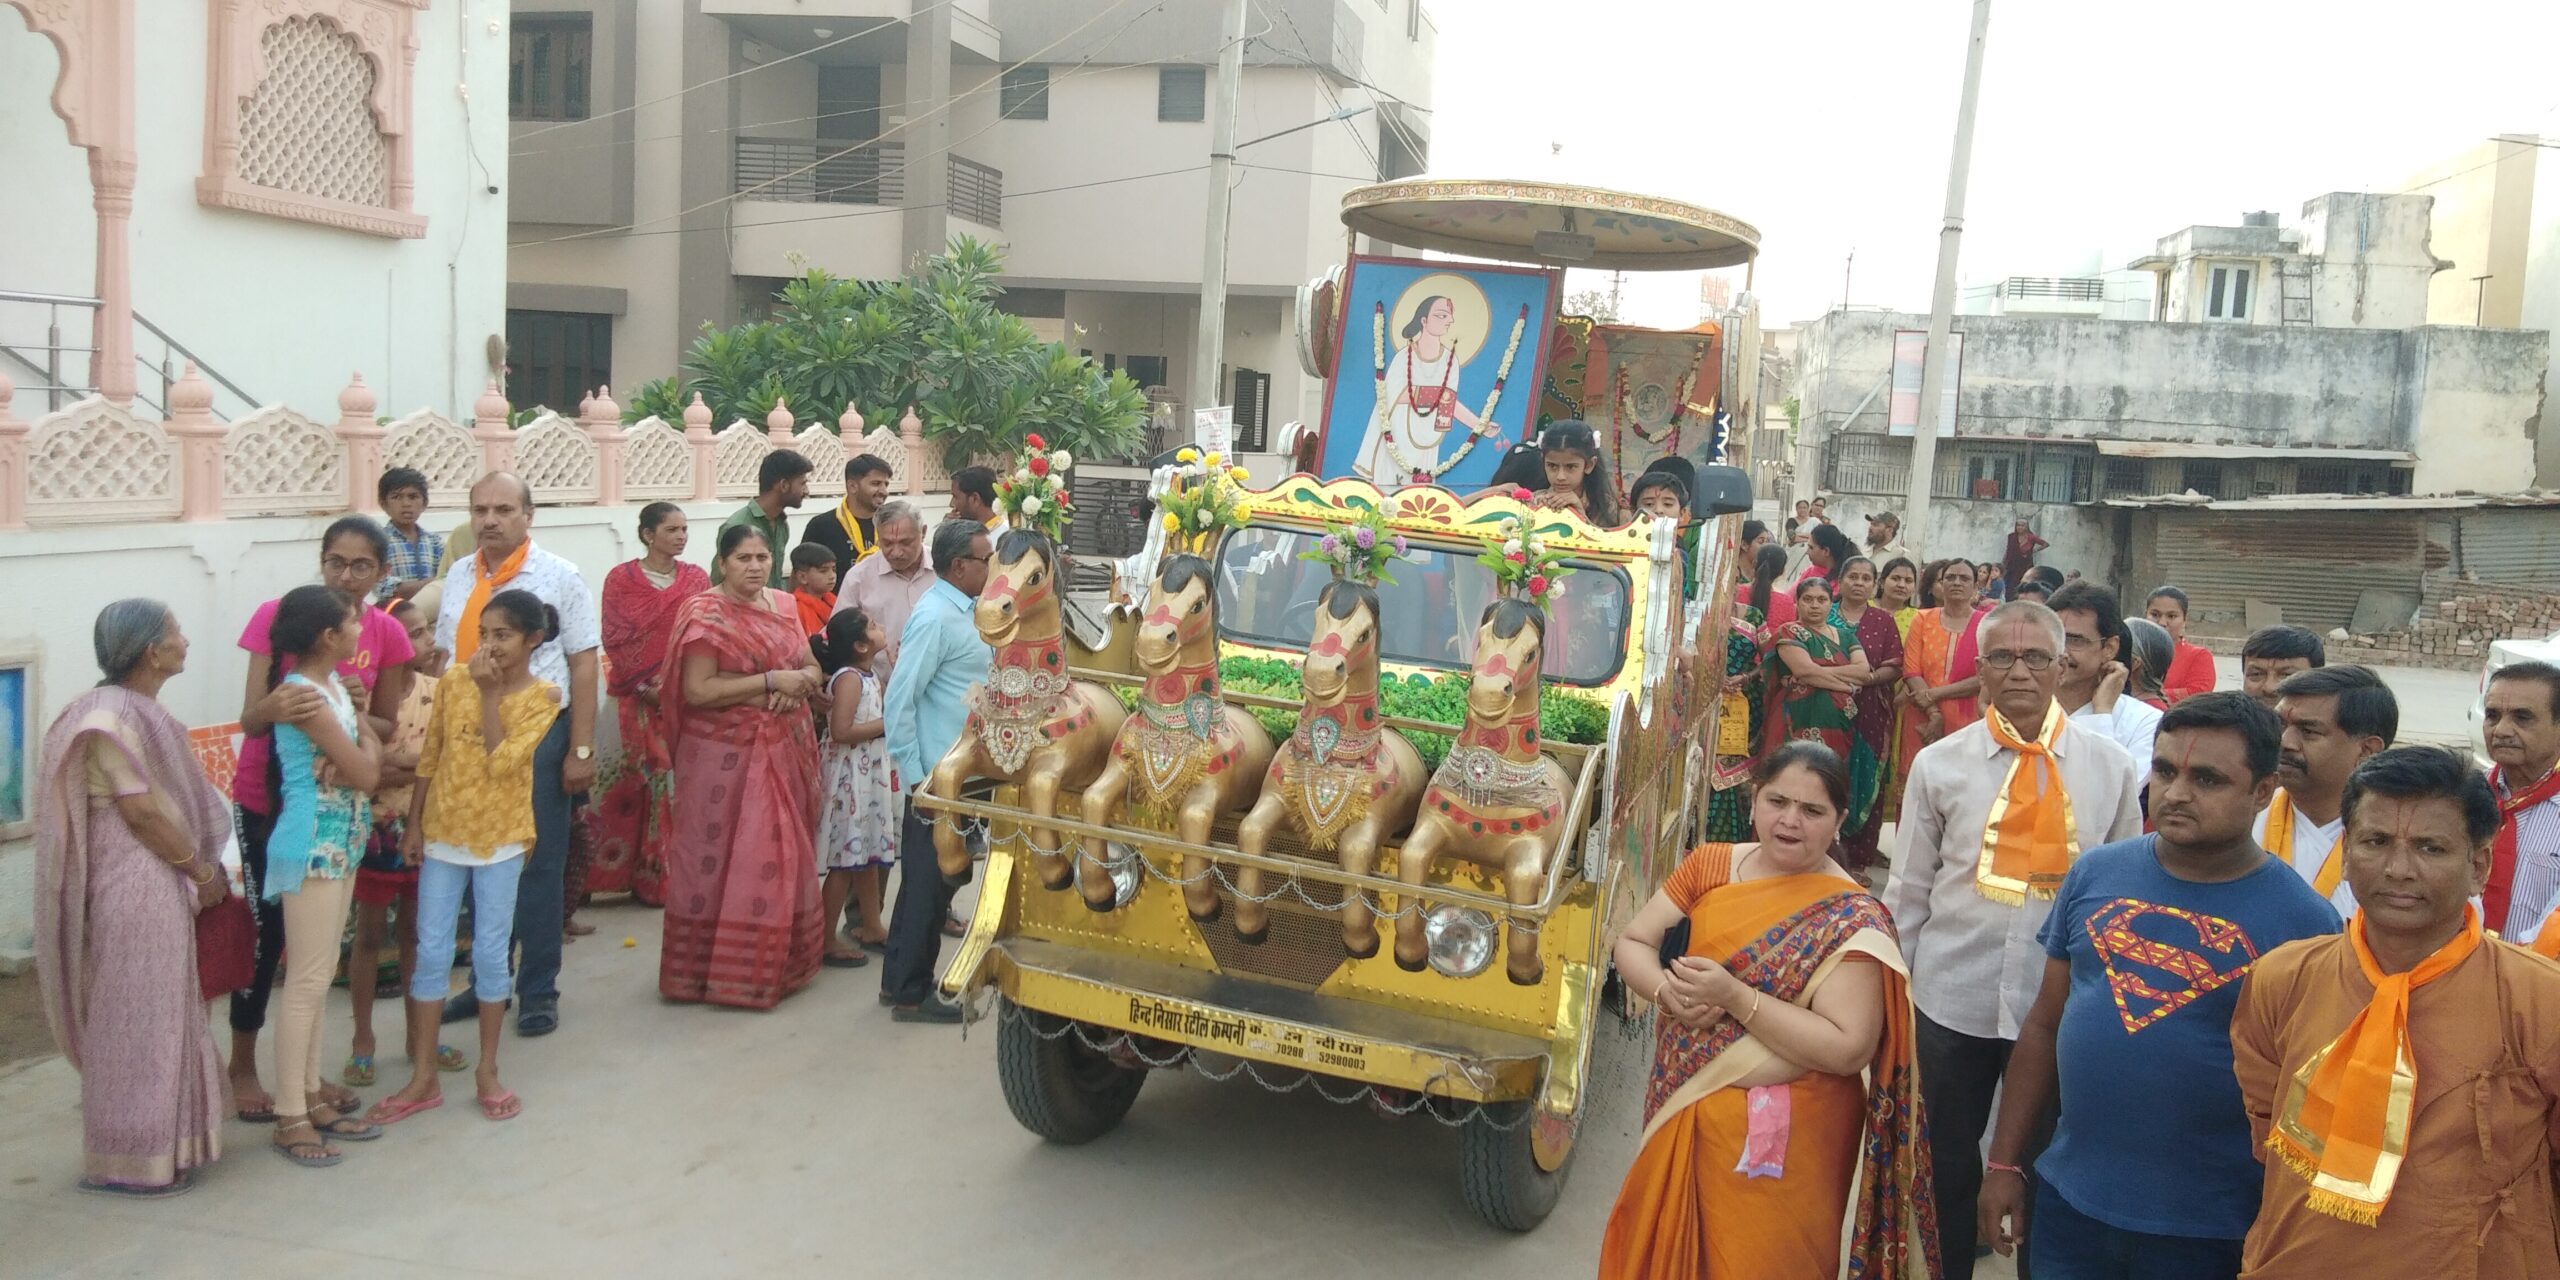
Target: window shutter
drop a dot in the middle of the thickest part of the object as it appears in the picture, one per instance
(1182, 95)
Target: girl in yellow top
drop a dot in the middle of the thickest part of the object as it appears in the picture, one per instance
(473, 824)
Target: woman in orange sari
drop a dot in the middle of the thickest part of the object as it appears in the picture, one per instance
(1941, 679)
(742, 923)
(1783, 1112)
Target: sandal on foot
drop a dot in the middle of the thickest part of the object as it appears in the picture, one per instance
(392, 1110)
(577, 929)
(178, 1186)
(952, 928)
(505, 1106)
(350, 1129)
(256, 1108)
(844, 960)
(338, 1097)
(310, 1155)
(359, 1072)
(449, 1058)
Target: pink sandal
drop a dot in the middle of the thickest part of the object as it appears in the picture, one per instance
(505, 1106)
(392, 1110)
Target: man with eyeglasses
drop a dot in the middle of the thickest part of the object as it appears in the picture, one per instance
(926, 710)
(2095, 673)
(1993, 815)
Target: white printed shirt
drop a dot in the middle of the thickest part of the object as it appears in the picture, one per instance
(547, 576)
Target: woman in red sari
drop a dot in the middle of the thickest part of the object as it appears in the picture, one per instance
(634, 813)
(1783, 1113)
(742, 923)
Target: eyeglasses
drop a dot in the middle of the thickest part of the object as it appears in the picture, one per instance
(966, 559)
(2080, 643)
(2002, 659)
(335, 565)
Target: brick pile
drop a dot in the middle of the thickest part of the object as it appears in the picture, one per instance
(2454, 628)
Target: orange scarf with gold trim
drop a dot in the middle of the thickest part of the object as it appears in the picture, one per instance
(484, 584)
(2028, 842)
(2344, 1125)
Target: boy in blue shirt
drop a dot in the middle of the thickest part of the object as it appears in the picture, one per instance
(2151, 1174)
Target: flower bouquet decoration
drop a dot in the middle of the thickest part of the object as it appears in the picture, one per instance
(1035, 496)
(1205, 496)
(1521, 563)
(1359, 550)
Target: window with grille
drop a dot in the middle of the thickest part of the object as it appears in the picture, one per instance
(2127, 478)
(557, 358)
(1182, 95)
(1146, 371)
(1025, 93)
(1253, 411)
(2202, 477)
(548, 66)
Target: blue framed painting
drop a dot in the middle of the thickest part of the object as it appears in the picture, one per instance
(1437, 371)
(17, 747)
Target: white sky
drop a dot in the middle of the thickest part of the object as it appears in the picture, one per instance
(2102, 126)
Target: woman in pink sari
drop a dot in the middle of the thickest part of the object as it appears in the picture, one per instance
(742, 923)
(128, 849)
(634, 813)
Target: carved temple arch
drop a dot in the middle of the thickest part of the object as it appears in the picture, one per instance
(383, 34)
(94, 96)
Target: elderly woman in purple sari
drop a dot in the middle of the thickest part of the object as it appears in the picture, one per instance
(128, 849)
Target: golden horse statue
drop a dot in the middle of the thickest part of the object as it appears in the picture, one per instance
(1343, 779)
(1186, 756)
(1029, 723)
(1497, 800)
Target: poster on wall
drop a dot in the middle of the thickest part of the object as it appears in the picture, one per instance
(17, 748)
(1652, 395)
(1910, 350)
(1438, 370)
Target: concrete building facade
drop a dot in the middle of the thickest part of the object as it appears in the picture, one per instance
(2312, 373)
(857, 135)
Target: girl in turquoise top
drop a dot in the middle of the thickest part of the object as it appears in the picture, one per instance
(323, 776)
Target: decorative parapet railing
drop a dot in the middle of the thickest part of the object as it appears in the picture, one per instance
(94, 462)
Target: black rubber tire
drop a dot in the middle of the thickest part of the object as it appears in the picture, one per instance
(1058, 1088)
(1500, 1175)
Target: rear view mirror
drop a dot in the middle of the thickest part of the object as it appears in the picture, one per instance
(1722, 491)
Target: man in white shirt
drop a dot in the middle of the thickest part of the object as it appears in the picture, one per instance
(1968, 928)
(564, 766)
(2094, 673)
(886, 586)
(2520, 725)
(2335, 718)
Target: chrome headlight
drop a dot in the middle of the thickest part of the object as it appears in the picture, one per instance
(1461, 940)
(1122, 867)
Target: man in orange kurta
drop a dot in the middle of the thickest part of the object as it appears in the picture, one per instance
(2462, 1108)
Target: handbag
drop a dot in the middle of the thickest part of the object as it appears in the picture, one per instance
(226, 947)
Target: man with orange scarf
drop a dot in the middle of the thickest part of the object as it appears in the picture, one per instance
(1992, 817)
(2145, 949)
(564, 766)
(2520, 725)
(2403, 1079)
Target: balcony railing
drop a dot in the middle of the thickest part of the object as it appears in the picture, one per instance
(821, 171)
(977, 192)
(2065, 288)
(831, 171)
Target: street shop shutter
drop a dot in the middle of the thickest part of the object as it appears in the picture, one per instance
(2513, 548)
(2313, 565)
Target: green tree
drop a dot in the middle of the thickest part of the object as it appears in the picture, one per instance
(979, 378)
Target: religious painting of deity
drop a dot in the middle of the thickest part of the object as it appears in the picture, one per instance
(1437, 372)
(17, 743)
(1651, 394)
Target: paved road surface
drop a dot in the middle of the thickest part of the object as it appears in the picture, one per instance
(2434, 705)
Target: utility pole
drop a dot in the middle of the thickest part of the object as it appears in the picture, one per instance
(1942, 300)
(1208, 353)
(1847, 270)
(1617, 280)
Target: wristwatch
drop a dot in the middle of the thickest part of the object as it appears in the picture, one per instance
(583, 753)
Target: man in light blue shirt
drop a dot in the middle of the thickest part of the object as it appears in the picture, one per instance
(940, 658)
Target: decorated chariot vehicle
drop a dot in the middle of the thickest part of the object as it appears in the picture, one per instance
(1356, 793)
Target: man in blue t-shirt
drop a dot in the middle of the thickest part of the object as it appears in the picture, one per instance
(2151, 1174)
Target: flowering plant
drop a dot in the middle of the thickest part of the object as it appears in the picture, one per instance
(1035, 496)
(1206, 495)
(1359, 550)
(1521, 563)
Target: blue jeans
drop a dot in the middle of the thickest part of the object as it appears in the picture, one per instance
(540, 913)
(2066, 1244)
(493, 904)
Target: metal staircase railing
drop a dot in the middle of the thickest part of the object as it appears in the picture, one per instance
(59, 365)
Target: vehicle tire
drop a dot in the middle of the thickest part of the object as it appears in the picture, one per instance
(1498, 1171)
(1057, 1087)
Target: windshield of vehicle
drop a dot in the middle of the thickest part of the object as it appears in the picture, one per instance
(1267, 596)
